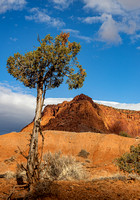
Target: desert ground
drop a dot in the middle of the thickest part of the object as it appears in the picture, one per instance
(104, 181)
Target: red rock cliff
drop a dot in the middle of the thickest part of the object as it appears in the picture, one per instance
(83, 115)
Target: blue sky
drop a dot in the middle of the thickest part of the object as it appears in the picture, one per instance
(108, 31)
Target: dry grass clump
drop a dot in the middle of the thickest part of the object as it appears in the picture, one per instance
(133, 176)
(10, 160)
(55, 167)
(21, 177)
(117, 176)
(58, 167)
(9, 175)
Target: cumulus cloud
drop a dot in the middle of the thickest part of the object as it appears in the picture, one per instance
(129, 4)
(116, 17)
(112, 6)
(17, 108)
(62, 4)
(6, 5)
(106, 6)
(109, 32)
(41, 16)
(76, 33)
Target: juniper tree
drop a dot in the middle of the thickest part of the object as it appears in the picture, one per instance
(46, 67)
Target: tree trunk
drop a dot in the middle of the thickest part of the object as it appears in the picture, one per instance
(33, 160)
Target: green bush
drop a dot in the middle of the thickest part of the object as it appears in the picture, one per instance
(130, 162)
(83, 153)
(124, 134)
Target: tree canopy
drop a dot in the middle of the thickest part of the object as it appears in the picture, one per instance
(53, 60)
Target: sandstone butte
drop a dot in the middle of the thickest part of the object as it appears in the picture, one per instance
(83, 115)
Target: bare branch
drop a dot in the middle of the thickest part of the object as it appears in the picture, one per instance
(21, 152)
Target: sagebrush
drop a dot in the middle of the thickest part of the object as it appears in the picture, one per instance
(58, 167)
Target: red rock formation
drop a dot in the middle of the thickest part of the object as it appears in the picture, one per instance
(118, 120)
(82, 115)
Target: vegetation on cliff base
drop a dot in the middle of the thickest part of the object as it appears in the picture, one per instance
(124, 134)
(130, 162)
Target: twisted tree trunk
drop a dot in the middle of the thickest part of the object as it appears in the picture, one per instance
(33, 159)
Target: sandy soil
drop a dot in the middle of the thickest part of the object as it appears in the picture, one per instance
(102, 148)
(93, 190)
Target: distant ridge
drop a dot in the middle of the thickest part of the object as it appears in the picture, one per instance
(82, 114)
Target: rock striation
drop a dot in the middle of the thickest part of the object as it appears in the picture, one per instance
(83, 115)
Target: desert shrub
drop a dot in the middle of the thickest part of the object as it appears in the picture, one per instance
(124, 134)
(58, 167)
(21, 177)
(9, 175)
(54, 167)
(10, 160)
(130, 162)
(83, 153)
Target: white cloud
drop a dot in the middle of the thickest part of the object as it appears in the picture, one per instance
(107, 6)
(120, 105)
(17, 109)
(62, 4)
(13, 39)
(120, 16)
(76, 33)
(91, 20)
(138, 48)
(50, 101)
(40, 16)
(6, 5)
(130, 4)
(109, 31)
(112, 6)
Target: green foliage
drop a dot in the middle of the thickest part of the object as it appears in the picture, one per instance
(124, 134)
(130, 162)
(47, 66)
